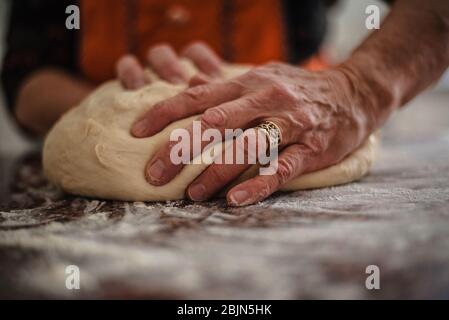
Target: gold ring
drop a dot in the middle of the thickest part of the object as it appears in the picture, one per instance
(272, 132)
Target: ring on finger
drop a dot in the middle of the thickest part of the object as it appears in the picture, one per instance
(273, 133)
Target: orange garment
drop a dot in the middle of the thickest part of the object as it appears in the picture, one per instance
(111, 28)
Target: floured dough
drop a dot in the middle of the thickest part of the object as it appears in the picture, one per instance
(91, 152)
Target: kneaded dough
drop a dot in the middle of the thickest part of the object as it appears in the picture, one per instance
(91, 152)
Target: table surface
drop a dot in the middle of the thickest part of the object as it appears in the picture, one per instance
(307, 244)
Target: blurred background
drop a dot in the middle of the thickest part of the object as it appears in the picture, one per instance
(346, 29)
(10, 140)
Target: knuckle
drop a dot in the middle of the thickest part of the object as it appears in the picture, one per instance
(159, 108)
(237, 84)
(213, 117)
(196, 94)
(258, 73)
(198, 80)
(279, 90)
(277, 67)
(305, 123)
(266, 186)
(251, 101)
(316, 142)
(163, 111)
(218, 175)
(284, 170)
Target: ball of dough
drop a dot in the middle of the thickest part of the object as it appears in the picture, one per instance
(91, 152)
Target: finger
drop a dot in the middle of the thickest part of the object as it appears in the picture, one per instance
(165, 62)
(243, 152)
(293, 161)
(189, 102)
(237, 114)
(218, 175)
(206, 60)
(199, 79)
(130, 72)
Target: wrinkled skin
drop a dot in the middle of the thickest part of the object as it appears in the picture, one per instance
(166, 63)
(323, 116)
(315, 111)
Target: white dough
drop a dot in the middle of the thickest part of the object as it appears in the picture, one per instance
(91, 152)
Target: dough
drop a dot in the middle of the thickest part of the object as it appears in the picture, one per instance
(91, 152)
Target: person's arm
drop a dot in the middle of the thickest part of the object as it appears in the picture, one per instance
(45, 95)
(40, 69)
(408, 53)
(322, 116)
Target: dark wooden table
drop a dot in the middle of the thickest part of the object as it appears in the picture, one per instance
(308, 244)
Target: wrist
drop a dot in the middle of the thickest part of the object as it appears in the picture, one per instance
(369, 90)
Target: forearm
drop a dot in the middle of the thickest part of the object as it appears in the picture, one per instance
(45, 96)
(408, 53)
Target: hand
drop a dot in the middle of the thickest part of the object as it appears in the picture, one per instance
(166, 63)
(321, 115)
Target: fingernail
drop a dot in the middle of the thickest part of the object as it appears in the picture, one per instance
(239, 198)
(156, 171)
(197, 192)
(140, 128)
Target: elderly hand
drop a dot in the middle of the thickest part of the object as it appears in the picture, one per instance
(322, 118)
(166, 63)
